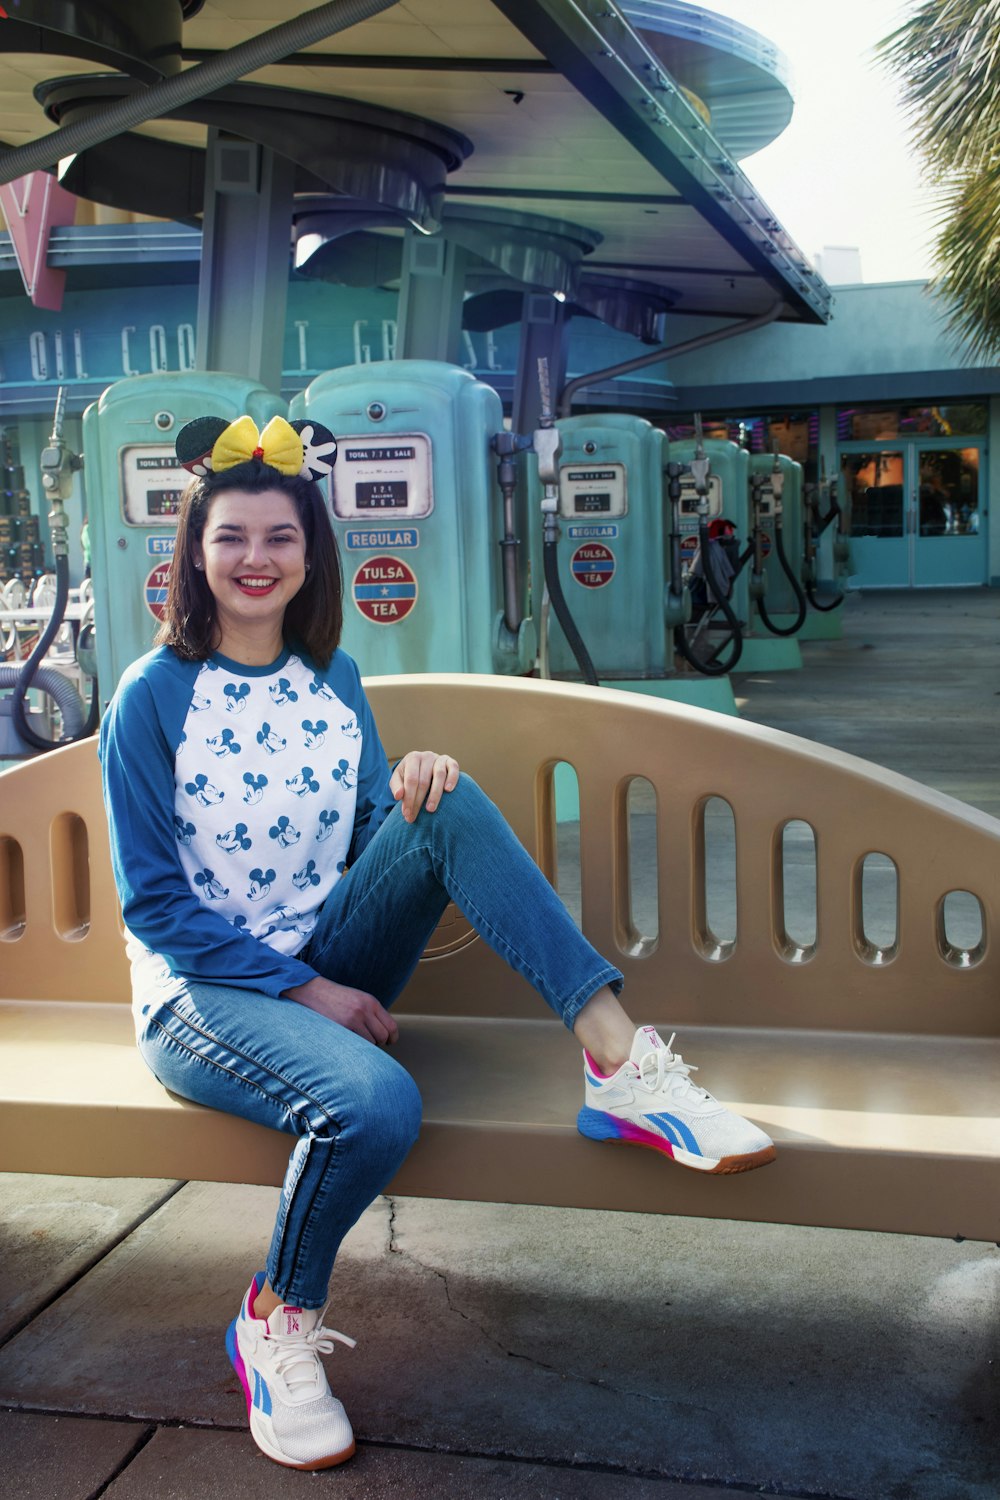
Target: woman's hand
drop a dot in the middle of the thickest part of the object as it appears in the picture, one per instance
(355, 1009)
(420, 775)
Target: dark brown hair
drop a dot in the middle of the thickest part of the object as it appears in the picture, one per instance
(313, 619)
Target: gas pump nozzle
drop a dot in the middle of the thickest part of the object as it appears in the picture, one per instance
(58, 464)
(700, 466)
(547, 443)
(506, 445)
(777, 484)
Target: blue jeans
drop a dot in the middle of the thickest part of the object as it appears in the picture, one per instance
(354, 1110)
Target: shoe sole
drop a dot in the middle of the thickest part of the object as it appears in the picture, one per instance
(329, 1461)
(598, 1125)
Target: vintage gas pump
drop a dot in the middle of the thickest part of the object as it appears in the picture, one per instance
(434, 576)
(24, 734)
(821, 508)
(776, 507)
(708, 500)
(612, 547)
(134, 486)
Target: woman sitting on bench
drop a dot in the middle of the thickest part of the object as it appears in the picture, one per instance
(279, 884)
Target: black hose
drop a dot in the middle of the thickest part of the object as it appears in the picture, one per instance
(796, 587)
(824, 609)
(28, 672)
(713, 667)
(553, 583)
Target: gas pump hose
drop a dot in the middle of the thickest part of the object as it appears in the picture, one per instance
(30, 674)
(554, 585)
(713, 668)
(833, 514)
(796, 587)
(826, 606)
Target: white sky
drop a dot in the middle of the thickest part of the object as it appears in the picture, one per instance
(841, 173)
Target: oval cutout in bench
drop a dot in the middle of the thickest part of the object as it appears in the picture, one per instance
(637, 875)
(716, 914)
(12, 905)
(795, 890)
(961, 929)
(69, 852)
(876, 908)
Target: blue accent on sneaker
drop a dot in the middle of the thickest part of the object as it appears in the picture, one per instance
(594, 1082)
(596, 1125)
(261, 1394)
(676, 1131)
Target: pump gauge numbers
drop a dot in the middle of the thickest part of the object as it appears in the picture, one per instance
(383, 478)
(597, 490)
(152, 483)
(689, 498)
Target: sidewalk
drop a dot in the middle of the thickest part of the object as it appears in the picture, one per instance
(507, 1352)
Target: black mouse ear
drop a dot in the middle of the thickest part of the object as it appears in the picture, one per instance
(319, 449)
(195, 441)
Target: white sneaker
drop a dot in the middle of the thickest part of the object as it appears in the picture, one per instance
(294, 1419)
(651, 1101)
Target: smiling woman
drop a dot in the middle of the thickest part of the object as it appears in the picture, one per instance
(279, 884)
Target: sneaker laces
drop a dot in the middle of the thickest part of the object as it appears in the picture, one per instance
(654, 1066)
(297, 1358)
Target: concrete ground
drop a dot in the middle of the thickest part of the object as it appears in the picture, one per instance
(515, 1353)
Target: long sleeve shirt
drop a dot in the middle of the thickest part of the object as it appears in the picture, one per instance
(236, 798)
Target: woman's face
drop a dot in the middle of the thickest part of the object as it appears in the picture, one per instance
(253, 551)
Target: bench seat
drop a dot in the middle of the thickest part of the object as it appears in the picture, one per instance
(875, 1131)
(868, 1048)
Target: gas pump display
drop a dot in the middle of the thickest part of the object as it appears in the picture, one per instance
(383, 479)
(152, 483)
(134, 485)
(419, 517)
(593, 491)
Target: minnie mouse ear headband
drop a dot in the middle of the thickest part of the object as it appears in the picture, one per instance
(210, 445)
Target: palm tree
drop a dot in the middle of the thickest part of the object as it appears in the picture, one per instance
(947, 54)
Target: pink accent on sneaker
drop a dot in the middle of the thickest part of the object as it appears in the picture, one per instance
(293, 1320)
(597, 1072)
(256, 1287)
(241, 1371)
(651, 1032)
(634, 1133)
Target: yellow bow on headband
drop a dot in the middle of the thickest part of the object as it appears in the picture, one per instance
(278, 445)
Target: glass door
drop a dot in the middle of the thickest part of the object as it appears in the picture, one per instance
(949, 541)
(917, 512)
(873, 481)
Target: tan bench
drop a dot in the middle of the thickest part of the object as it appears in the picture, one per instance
(875, 1069)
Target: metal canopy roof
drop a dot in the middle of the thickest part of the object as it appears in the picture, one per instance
(569, 112)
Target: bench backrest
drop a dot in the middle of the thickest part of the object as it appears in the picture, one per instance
(61, 934)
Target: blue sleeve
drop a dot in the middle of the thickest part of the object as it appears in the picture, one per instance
(139, 738)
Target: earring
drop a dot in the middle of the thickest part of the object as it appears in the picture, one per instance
(200, 567)
(308, 566)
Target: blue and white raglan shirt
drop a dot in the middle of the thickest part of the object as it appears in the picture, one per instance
(236, 798)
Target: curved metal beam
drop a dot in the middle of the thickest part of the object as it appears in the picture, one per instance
(171, 93)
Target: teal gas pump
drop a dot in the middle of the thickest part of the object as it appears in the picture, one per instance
(708, 498)
(776, 505)
(21, 729)
(434, 579)
(134, 485)
(821, 509)
(612, 547)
